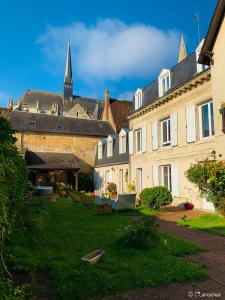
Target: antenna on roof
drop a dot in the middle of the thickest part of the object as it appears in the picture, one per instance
(196, 18)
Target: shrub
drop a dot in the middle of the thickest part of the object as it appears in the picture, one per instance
(156, 197)
(209, 177)
(141, 235)
(111, 187)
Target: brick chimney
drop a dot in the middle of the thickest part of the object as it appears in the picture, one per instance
(106, 106)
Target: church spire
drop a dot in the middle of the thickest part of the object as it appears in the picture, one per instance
(183, 52)
(68, 78)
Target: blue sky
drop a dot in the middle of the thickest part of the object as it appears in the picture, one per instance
(119, 45)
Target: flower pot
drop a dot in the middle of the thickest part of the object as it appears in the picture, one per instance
(105, 209)
(188, 206)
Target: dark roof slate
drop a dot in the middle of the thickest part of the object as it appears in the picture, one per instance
(51, 160)
(116, 159)
(34, 122)
(180, 73)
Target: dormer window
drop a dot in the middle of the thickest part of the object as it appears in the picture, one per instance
(109, 146)
(164, 81)
(138, 99)
(122, 141)
(60, 126)
(200, 67)
(100, 150)
(32, 124)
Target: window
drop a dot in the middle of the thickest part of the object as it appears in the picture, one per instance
(165, 132)
(165, 84)
(166, 177)
(109, 146)
(122, 142)
(206, 117)
(60, 126)
(100, 150)
(138, 140)
(138, 99)
(32, 124)
(164, 81)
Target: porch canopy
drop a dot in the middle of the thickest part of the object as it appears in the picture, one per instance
(51, 161)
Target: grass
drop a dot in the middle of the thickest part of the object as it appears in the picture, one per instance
(212, 223)
(69, 232)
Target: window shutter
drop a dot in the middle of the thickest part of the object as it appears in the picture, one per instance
(110, 176)
(155, 175)
(154, 135)
(191, 124)
(144, 138)
(108, 149)
(173, 128)
(175, 180)
(131, 142)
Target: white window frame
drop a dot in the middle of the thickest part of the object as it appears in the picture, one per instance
(122, 141)
(200, 67)
(136, 140)
(138, 98)
(109, 146)
(166, 73)
(169, 174)
(211, 134)
(168, 142)
(100, 150)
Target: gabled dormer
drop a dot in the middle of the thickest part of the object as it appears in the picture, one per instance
(123, 141)
(138, 100)
(164, 82)
(200, 67)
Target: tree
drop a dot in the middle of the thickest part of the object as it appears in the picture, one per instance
(6, 131)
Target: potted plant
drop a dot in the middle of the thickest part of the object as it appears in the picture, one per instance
(112, 189)
(188, 205)
(105, 207)
(131, 187)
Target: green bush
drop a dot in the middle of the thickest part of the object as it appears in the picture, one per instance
(142, 235)
(156, 197)
(209, 177)
(111, 187)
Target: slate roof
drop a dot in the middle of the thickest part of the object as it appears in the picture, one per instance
(51, 161)
(180, 73)
(116, 159)
(47, 99)
(34, 122)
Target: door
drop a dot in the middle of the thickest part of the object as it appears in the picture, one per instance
(121, 181)
(138, 180)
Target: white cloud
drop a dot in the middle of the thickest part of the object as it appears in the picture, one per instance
(128, 95)
(110, 49)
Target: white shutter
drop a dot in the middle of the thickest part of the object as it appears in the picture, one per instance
(110, 179)
(175, 180)
(120, 144)
(144, 138)
(173, 128)
(191, 124)
(155, 175)
(154, 135)
(131, 142)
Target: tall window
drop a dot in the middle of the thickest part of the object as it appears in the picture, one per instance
(138, 140)
(166, 180)
(100, 150)
(110, 147)
(138, 99)
(206, 120)
(165, 132)
(165, 84)
(123, 143)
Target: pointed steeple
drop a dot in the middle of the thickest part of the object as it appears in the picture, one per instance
(68, 78)
(183, 51)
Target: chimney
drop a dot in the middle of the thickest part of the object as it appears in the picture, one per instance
(106, 106)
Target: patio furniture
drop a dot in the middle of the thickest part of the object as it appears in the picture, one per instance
(124, 201)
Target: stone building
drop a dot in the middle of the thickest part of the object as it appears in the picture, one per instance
(58, 133)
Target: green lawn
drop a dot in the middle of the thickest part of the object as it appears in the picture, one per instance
(212, 223)
(69, 232)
